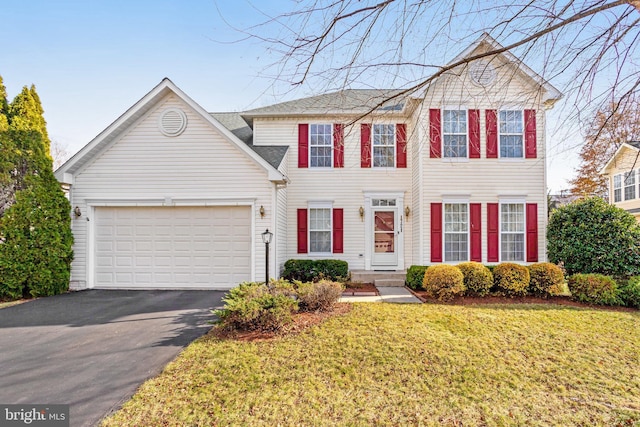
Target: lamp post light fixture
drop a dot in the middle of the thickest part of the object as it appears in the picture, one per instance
(266, 239)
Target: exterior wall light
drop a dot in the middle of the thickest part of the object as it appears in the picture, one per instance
(77, 212)
(407, 211)
(361, 211)
(261, 211)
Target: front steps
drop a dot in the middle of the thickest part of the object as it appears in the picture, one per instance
(379, 278)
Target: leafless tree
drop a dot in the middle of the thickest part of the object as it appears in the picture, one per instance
(59, 153)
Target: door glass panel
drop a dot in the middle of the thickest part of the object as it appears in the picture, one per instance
(384, 231)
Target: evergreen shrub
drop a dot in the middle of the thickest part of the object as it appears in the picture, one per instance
(443, 282)
(511, 279)
(307, 270)
(478, 280)
(594, 289)
(415, 275)
(546, 279)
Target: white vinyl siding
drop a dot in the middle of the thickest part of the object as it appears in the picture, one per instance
(384, 146)
(454, 133)
(511, 134)
(512, 232)
(456, 232)
(320, 145)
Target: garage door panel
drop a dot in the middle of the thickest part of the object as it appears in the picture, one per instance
(172, 247)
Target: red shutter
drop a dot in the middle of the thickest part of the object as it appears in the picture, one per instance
(474, 134)
(365, 145)
(532, 232)
(436, 232)
(338, 240)
(475, 213)
(435, 133)
(338, 145)
(492, 133)
(303, 145)
(302, 231)
(530, 134)
(492, 232)
(401, 145)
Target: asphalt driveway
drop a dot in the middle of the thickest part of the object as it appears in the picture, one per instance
(92, 349)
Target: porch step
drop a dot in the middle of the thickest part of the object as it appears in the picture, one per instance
(388, 282)
(379, 278)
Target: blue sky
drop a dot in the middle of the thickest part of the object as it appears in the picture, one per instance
(92, 60)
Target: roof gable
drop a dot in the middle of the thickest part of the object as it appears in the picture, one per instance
(633, 146)
(65, 172)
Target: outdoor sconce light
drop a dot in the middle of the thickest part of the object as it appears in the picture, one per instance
(77, 212)
(266, 239)
(261, 211)
(407, 211)
(361, 211)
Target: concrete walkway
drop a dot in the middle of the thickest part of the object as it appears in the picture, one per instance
(392, 294)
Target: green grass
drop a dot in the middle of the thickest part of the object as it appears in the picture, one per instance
(432, 365)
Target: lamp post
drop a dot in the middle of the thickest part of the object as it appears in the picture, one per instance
(266, 239)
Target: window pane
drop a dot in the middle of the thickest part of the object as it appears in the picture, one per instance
(511, 133)
(512, 226)
(630, 185)
(511, 121)
(320, 241)
(320, 230)
(384, 146)
(455, 145)
(383, 157)
(510, 145)
(456, 226)
(454, 121)
(320, 145)
(455, 247)
(512, 247)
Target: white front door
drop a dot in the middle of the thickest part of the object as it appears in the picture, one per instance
(385, 236)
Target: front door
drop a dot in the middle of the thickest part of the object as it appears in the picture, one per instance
(385, 236)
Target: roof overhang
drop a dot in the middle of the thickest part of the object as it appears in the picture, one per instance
(607, 166)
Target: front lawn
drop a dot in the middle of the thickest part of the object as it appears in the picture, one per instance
(385, 364)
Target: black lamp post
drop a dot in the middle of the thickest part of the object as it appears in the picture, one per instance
(266, 238)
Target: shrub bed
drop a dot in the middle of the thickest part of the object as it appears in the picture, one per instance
(478, 280)
(443, 282)
(546, 279)
(308, 270)
(320, 296)
(629, 292)
(511, 279)
(593, 289)
(415, 276)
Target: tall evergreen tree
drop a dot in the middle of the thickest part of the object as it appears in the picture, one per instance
(25, 114)
(4, 106)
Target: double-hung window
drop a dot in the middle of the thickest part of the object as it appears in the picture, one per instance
(320, 229)
(511, 134)
(456, 232)
(630, 185)
(384, 146)
(617, 188)
(512, 232)
(454, 133)
(320, 145)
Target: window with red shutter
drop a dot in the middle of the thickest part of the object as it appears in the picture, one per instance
(532, 232)
(436, 232)
(401, 145)
(491, 124)
(338, 145)
(530, 134)
(474, 134)
(338, 231)
(303, 145)
(435, 133)
(302, 231)
(493, 239)
(365, 145)
(475, 211)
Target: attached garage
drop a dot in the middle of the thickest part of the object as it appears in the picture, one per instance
(172, 247)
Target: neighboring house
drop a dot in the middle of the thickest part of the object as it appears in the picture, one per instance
(623, 172)
(561, 199)
(172, 196)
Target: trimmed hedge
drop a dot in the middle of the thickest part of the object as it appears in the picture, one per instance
(443, 282)
(478, 280)
(415, 276)
(320, 296)
(594, 289)
(511, 279)
(545, 279)
(629, 292)
(308, 270)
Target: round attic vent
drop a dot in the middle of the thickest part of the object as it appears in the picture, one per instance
(482, 73)
(172, 122)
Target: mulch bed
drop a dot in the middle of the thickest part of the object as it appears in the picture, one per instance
(355, 289)
(558, 300)
(301, 321)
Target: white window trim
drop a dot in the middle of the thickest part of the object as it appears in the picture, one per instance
(524, 233)
(511, 159)
(330, 145)
(442, 150)
(395, 146)
(320, 205)
(635, 185)
(613, 193)
(456, 202)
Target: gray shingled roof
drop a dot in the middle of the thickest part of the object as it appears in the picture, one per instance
(634, 143)
(236, 124)
(353, 101)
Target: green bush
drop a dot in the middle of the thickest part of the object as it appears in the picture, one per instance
(478, 280)
(443, 282)
(320, 296)
(415, 275)
(258, 307)
(307, 270)
(594, 289)
(511, 279)
(545, 279)
(591, 236)
(629, 292)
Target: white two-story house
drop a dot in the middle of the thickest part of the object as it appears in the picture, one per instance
(623, 172)
(171, 196)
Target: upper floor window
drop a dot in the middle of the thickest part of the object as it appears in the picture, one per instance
(454, 133)
(617, 188)
(320, 144)
(512, 232)
(511, 133)
(630, 185)
(384, 146)
(456, 232)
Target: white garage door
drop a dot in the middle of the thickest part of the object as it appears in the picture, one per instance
(172, 247)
